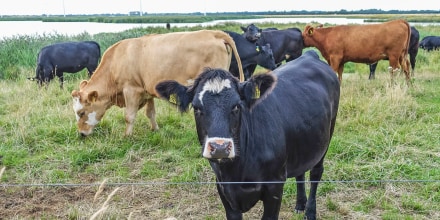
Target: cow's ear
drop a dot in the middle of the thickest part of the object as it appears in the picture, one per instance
(82, 84)
(243, 28)
(92, 96)
(75, 93)
(310, 31)
(175, 93)
(257, 88)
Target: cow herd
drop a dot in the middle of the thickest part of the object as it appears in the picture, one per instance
(255, 130)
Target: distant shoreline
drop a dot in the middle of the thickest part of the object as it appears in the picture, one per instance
(414, 16)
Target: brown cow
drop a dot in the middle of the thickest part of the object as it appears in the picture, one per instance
(131, 68)
(362, 44)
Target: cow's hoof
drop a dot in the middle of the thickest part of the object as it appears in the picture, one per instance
(297, 211)
(155, 128)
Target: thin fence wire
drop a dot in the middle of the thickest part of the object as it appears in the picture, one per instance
(6, 185)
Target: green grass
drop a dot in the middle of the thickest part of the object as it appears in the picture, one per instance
(383, 132)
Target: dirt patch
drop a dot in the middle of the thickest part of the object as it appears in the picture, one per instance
(136, 202)
(158, 202)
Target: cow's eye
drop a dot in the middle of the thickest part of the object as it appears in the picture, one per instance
(81, 114)
(236, 109)
(197, 111)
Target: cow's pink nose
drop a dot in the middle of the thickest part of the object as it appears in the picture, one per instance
(220, 148)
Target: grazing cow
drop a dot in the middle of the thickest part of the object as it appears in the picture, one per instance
(131, 68)
(251, 55)
(362, 44)
(286, 44)
(430, 43)
(260, 132)
(413, 49)
(71, 57)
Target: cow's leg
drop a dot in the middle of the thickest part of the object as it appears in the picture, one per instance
(395, 63)
(60, 75)
(230, 213)
(61, 78)
(315, 177)
(132, 102)
(337, 66)
(301, 197)
(372, 70)
(340, 72)
(130, 115)
(406, 69)
(90, 70)
(272, 201)
(412, 60)
(151, 114)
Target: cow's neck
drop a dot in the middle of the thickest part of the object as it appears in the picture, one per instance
(107, 93)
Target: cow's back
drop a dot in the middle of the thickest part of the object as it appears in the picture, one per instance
(69, 54)
(179, 56)
(284, 42)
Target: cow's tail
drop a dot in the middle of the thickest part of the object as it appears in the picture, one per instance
(405, 60)
(228, 40)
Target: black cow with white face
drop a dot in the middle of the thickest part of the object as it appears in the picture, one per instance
(267, 129)
(430, 43)
(70, 57)
(251, 55)
(286, 44)
(413, 49)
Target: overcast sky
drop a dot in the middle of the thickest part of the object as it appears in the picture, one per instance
(38, 7)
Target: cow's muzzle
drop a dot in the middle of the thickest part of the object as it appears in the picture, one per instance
(219, 149)
(85, 133)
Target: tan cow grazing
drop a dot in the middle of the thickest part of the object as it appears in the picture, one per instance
(362, 44)
(131, 68)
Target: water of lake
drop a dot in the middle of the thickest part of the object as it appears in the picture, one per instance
(19, 28)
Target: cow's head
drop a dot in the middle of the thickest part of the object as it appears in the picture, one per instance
(42, 76)
(252, 33)
(309, 35)
(265, 57)
(220, 104)
(88, 109)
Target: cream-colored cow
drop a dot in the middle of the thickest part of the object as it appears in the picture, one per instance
(131, 68)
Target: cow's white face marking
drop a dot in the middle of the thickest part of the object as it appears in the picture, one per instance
(215, 86)
(76, 107)
(92, 119)
(207, 151)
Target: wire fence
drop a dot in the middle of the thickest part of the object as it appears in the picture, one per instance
(189, 200)
(5, 185)
(152, 183)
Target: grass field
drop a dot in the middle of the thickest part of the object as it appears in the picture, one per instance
(383, 162)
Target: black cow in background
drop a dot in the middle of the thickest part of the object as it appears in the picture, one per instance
(71, 57)
(413, 49)
(430, 43)
(260, 132)
(286, 44)
(251, 55)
